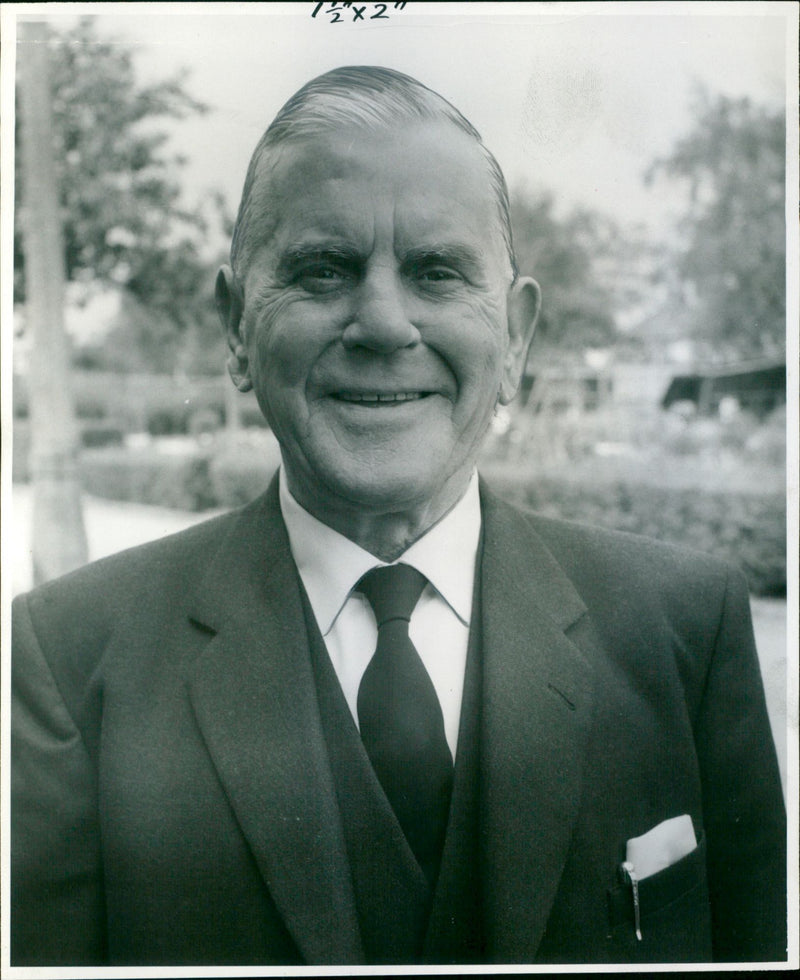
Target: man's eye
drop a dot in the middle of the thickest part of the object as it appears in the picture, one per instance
(439, 274)
(322, 277)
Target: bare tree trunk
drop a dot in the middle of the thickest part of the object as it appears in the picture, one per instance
(58, 535)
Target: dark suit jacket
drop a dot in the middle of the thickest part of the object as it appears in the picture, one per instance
(173, 797)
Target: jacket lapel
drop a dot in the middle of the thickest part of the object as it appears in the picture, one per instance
(254, 698)
(536, 707)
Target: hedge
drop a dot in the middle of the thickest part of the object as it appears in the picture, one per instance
(225, 472)
(748, 529)
(158, 404)
(745, 527)
(146, 477)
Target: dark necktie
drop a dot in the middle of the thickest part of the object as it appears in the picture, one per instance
(401, 720)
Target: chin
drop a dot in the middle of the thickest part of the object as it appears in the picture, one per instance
(384, 496)
(396, 490)
(366, 482)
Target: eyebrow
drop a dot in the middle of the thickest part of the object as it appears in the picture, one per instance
(301, 252)
(461, 256)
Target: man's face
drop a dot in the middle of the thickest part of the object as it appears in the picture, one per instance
(375, 316)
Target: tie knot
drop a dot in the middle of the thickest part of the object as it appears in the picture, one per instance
(393, 591)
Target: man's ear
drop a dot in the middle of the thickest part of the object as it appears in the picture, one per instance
(230, 305)
(524, 303)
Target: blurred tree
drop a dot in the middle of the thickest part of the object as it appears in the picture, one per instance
(123, 220)
(733, 257)
(566, 256)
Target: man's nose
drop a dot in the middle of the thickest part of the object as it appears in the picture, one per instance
(380, 319)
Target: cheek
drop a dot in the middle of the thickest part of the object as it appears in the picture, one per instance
(277, 343)
(476, 347)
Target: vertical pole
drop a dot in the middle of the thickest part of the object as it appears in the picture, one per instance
(58, 538)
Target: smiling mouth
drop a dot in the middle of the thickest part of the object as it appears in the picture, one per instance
(380, 398)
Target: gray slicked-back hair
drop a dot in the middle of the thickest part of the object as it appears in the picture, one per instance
(361, 95)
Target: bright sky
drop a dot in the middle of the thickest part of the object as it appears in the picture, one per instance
(577, 97)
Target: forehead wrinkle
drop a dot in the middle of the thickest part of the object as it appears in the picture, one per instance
(267, 202)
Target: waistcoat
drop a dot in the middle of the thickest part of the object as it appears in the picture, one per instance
(401, 920)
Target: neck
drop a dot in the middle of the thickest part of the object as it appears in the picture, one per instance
(386, 532)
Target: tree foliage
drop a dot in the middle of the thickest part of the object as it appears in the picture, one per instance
(565, 256)
(732, 165)
(123, 219)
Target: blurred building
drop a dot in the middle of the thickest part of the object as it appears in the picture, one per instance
(756, 386)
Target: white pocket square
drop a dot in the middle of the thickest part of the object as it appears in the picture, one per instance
(662, 846)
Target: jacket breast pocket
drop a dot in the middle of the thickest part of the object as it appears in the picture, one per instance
(674, 914)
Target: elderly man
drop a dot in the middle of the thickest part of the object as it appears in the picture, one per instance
(379, 716)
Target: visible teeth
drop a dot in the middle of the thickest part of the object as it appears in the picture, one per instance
(400, 396)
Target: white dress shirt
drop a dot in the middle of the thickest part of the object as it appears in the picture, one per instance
(330, 565)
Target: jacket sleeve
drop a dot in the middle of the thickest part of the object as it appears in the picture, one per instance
(57, 907)
(744, 813)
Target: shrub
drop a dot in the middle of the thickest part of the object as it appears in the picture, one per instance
(223, 473)
(88, 407)
(766, 445)
(748, 529)
(101, 435)
(250, 416)
(146, 476)
(744, 521)
(171, 421)
(204, 421)
(243, 466)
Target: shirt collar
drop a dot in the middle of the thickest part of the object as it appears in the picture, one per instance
(330, 564)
